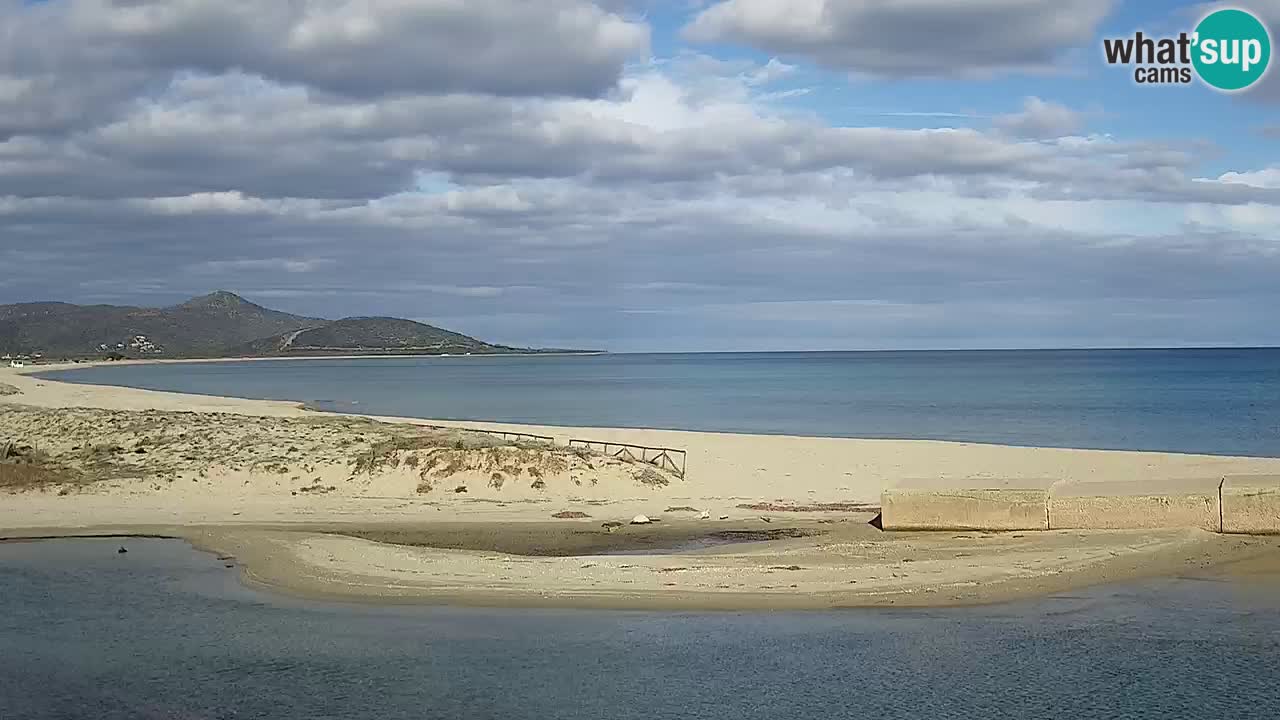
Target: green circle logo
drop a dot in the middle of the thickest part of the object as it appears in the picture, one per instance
(1232, 49)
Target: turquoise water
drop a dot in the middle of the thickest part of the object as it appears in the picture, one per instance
(1210, 401)
(166, 632)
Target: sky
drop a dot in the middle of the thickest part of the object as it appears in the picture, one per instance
(644, 175)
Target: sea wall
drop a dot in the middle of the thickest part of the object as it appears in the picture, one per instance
(1246, 504)
(1251, 504)
(1124, 505)
(946, 505)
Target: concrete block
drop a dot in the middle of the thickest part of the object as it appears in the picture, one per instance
(1251, 504)
(966, 504)
(1135, 505)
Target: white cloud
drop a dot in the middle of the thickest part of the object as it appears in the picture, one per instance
(361, 48)
(1264, 178)
(1040, 119)
(920, 38)
(271, 265)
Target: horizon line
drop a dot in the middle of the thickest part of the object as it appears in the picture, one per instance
(939, 349)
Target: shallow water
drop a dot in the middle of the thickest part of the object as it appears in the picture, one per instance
(1208, 401)
(166, 632)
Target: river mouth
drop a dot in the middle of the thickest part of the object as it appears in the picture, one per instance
(572, 539)
(165, 631)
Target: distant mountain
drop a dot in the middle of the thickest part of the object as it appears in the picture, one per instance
(214, 325)
(371, 334)
(201, 326)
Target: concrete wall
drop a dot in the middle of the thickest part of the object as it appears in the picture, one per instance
(1248, 504)
(1136, 505)
(982, 505)
(1251, 504)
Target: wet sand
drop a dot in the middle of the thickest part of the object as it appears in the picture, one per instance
(840, 565)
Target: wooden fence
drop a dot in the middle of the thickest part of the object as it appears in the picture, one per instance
(670, 459)
(520, 437)
(504, 434)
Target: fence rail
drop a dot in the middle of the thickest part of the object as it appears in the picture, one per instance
(518, 436)
(670, 459)
(504, 434)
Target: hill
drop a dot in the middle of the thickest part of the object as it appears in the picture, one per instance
(201, 326)
(371, 334)
(215, 325)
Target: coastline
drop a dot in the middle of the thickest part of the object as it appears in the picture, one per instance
(285, 541)
(561, 431)
(71, 365)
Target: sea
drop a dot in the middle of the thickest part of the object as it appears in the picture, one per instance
(1216, 401)
(164, 632)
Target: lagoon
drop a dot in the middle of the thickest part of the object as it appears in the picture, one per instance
(165, 631)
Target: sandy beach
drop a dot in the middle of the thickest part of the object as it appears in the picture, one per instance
(396, 509)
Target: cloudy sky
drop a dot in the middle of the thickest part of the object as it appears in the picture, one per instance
(644, 174)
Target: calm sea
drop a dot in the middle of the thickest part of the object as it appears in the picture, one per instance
(164, 632)
(1210, 401)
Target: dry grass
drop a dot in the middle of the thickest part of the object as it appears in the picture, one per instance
(650, 476)
(23, 467)
(82, 446)
(28, 477)
(401, 450)
(110, 444)
(498, 462)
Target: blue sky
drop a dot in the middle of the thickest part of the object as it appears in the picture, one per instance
(644, 175)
